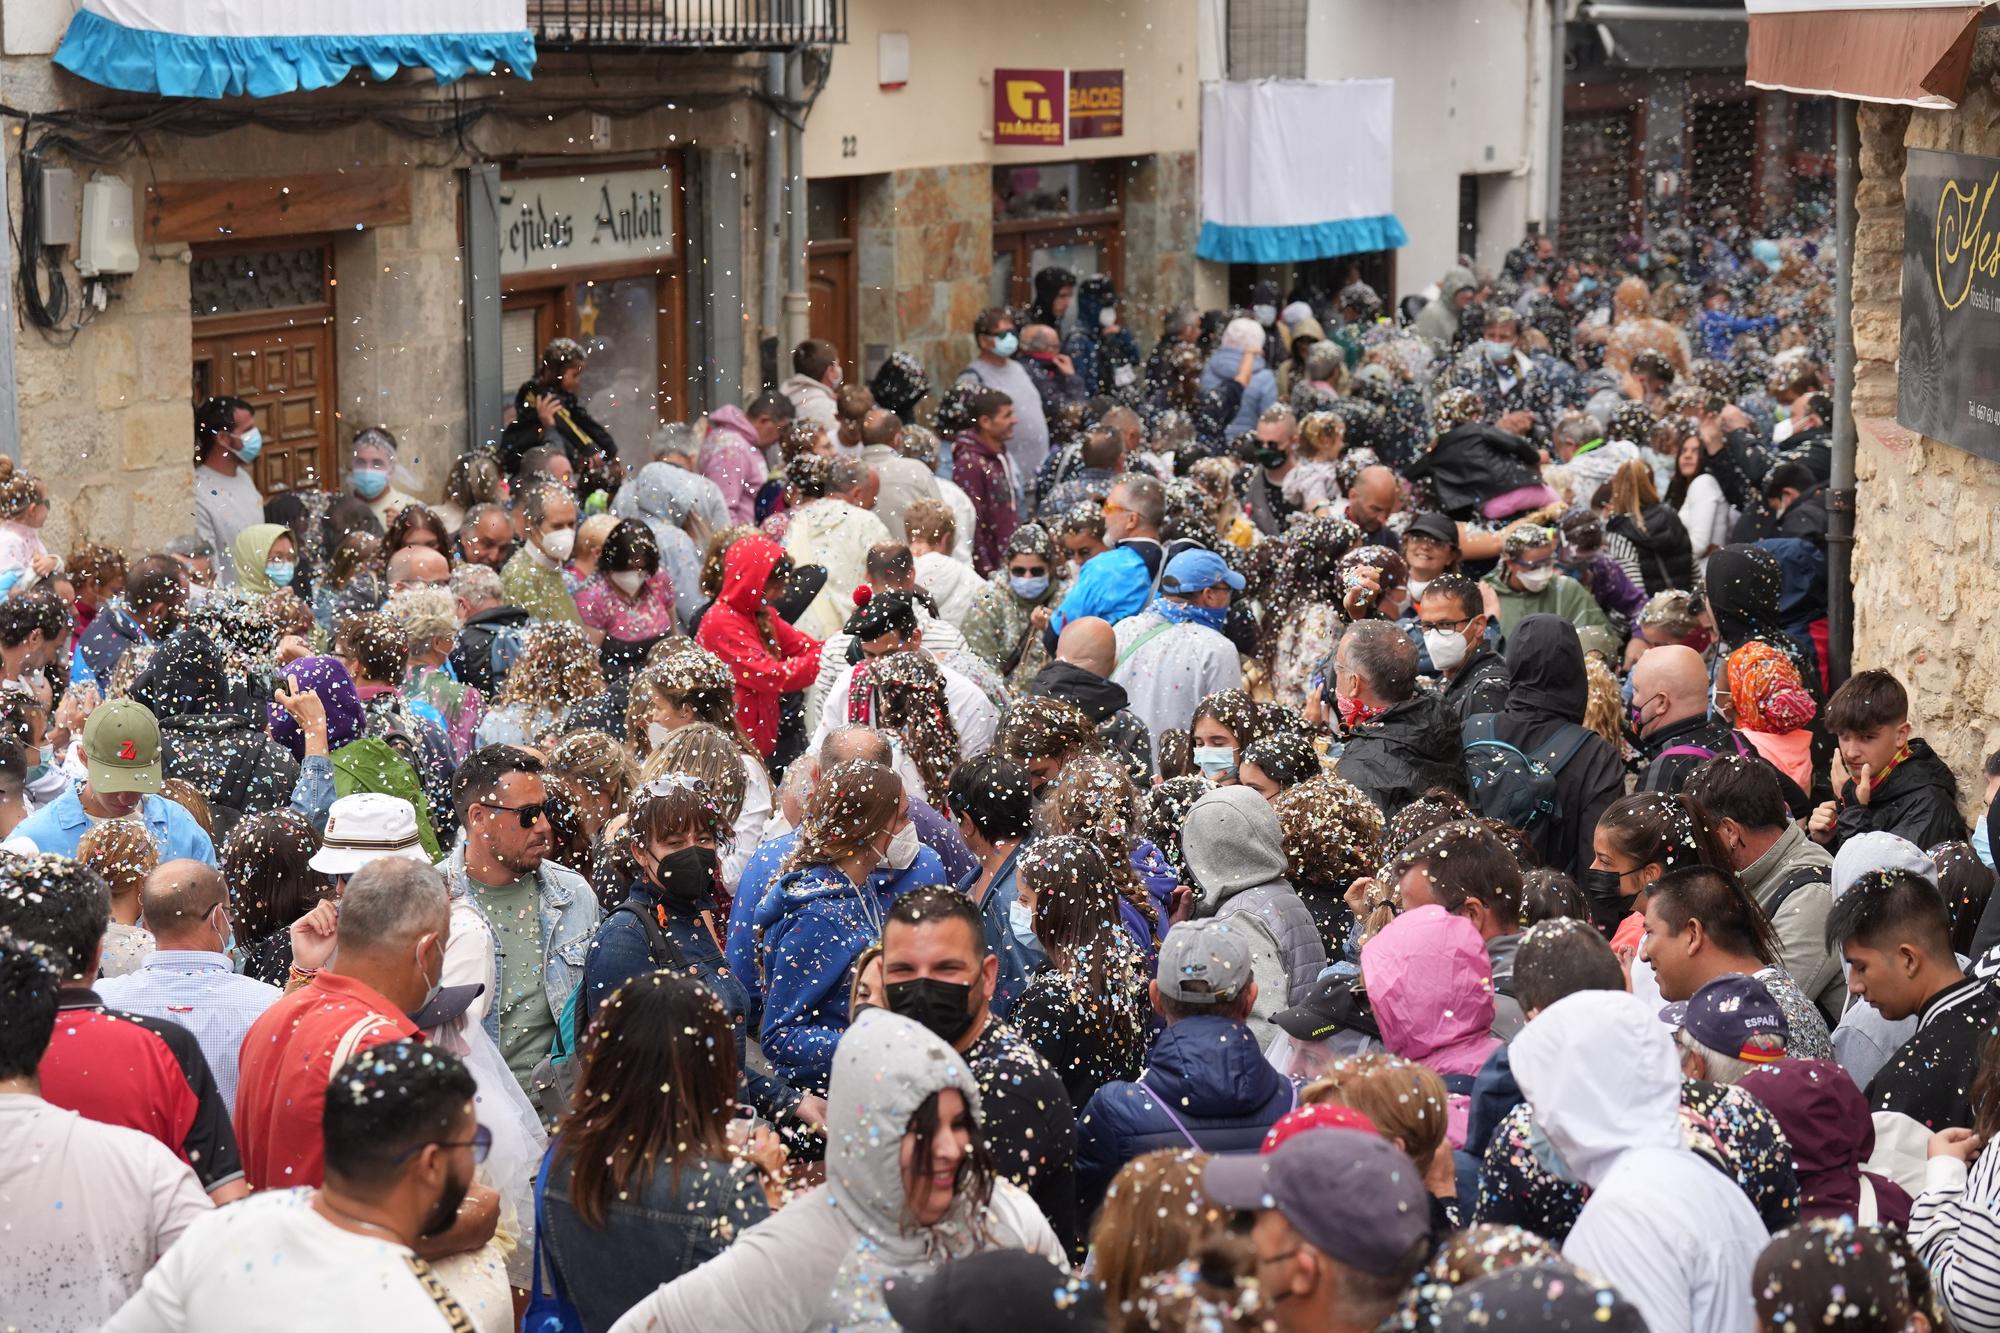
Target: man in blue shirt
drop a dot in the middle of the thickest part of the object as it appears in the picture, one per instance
(121, 750)
(1120, 582)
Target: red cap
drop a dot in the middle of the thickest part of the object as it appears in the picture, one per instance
(1320, 1116)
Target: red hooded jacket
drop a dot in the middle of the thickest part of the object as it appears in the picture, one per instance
(733, 629)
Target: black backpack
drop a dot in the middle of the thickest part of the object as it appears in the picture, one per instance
(1514, 787)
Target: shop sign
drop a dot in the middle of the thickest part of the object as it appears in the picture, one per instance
(577, 221)
(1031, 106)
(1948, 377)
(1096, 103)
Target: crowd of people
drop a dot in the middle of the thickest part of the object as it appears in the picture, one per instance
(1321, 817)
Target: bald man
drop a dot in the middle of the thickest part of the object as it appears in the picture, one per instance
(418, 567)
(1086, 655)
(1374, 499)
(189, 978)
(1670, 709)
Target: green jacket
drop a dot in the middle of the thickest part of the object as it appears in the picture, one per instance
(1563, 597)
(537, 589)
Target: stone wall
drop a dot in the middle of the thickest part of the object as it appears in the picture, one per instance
(1162, 223)
(1927, 522)
(926, 262)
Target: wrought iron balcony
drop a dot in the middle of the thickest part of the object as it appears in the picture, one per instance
(705, 25)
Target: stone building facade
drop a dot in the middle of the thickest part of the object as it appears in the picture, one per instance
(1927, 521)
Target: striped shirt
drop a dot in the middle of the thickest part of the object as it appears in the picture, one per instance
(201, 993)
(1955, 1230)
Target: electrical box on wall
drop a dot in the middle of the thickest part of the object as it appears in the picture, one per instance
(58, 211)
(108, 247)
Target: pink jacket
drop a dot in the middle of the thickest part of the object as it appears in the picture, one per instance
(731, 459)
(1431, 987)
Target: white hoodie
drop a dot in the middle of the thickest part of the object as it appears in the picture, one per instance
(1674, 1235)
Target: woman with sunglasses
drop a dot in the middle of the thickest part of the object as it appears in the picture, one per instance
(909, 1187)
(673, 916)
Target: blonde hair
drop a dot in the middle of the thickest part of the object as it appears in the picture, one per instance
(853, 803)
(598, 764)
(590, 536)
(1604, 713)
(426, 614)
(704, 751)
(121, 850)
(1154, 1215)
(1322, 436)
(931, 522)
(1406, 1101)
(1632, 489)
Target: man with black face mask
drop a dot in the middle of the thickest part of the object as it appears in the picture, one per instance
(937, 970)
(672, 918)
(403, 1139)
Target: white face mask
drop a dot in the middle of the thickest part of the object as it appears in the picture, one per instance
(629, 581)
(1447, 650)
(657, 733)
(559, 544)
(902, 848)
(1782, 432)
(1534, 580)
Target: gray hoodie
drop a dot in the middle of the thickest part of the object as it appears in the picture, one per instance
(1437, 323)
(1236, 854)
(819, 1264)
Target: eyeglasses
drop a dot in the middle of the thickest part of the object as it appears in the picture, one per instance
(481, 1144)
(529, 814)
(1445, 626)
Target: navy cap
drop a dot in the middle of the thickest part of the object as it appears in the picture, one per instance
(1733, 1015)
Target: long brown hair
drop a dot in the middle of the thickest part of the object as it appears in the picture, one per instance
(1154, 1216)
(1985, 1095)
(1095, 797)
(658, 1085)
(1076, 911)
(1633, 491)
(853, 802)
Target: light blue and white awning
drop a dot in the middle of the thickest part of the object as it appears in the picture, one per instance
(1294, 170)
(226, 48)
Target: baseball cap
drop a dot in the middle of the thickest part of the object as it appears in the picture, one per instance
(1203, 962)
(1879, 851)
(364, 827)
(1733, 1015)
(1353, 1196)
(1437, 527)
(121, 747)
(994, 1291)
(1196, 571)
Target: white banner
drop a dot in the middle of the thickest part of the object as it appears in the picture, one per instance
(561, 222)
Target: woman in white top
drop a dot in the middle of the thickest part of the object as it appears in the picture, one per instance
(1697, 497)
(687, 685)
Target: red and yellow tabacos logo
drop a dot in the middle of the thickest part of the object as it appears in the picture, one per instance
(1096, 103)
(1031, 106)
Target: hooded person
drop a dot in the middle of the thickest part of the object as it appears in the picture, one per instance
(821, 1263)
(1827, 1123)
(1674, 1235)
(1000, 626)
(257, 574)
(1055, 288)
(1743, 589)
(1430, 983)
(664, 505)
(1241, 338)
(732, 456)
(1235, 853)
(211, 732)
(1543, 719)
(767, 657)
(1437, 323)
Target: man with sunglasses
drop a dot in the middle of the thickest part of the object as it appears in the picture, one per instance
(388, 961)
(189, 978)
(1120, 582)
(403, 1139)
(521, 925)
(1528, 583)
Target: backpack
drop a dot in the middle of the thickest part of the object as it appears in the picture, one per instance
(1515, 788)
(370, 764)
(504, 646)
(1802, 878)
(553, 1080)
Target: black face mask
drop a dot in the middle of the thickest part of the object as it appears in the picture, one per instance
(1271, 458)
(1605, 892)
(686, 878)
(945, 1007)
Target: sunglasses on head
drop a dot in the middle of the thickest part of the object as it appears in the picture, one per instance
(528, 814)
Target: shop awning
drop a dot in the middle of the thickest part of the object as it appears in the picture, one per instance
(1659, 36)
(1917, 52)
(227, 48)
(1277, 188)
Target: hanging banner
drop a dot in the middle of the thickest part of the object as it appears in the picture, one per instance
(1096, 104)
(1031, 106)
(1948, 376)
(568, 221)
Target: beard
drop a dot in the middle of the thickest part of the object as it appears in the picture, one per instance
(445, 1212)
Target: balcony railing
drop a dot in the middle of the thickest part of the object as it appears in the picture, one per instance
(712, 25)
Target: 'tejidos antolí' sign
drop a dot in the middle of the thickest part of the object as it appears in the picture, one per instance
(1948, 373)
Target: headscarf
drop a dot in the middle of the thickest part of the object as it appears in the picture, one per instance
(345, 719)
(1765, 687)
(1826, 1120)
(252, 552)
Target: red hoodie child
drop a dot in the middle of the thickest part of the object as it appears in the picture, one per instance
(767, 656)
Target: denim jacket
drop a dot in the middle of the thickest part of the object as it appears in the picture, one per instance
(1018, 962)
(673, 1223)
(568, 918)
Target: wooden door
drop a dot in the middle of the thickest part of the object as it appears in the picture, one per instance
(830, 278)
(263, 332)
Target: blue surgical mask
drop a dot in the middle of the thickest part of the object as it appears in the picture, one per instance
(280, 574)
(1021, 925)
(1982, 843)
(1215, 760)
(250, 444)
(1028, 589)
(1547, 1157)
(1006, 344)
(1585, 286)
(370, 482)
(1498, 353)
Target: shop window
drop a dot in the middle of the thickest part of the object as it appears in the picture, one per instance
(1066, 214)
